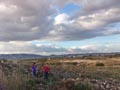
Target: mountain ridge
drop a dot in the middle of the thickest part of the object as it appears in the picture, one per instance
(36, 56)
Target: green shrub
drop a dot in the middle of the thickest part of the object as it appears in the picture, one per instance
(83, 86)
(100, 64)
(30, 83)
(74, 63)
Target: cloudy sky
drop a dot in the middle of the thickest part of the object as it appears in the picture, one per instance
(59, 26)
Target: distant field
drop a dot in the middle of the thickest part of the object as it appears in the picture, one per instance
(87, 62)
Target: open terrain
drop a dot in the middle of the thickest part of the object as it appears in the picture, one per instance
(66, 74)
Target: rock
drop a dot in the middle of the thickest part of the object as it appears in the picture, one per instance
(102, 87)
(93, 81)
(107, 86)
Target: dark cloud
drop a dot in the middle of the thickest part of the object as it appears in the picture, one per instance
(24, 20)
(28, 20)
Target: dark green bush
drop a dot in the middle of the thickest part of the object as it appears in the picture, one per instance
(83, 86)
(30, 83)
(74, 63)
(100, 64)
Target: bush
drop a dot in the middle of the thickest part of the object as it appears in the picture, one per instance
(31, 83)
(83, 86)
(74, 63)
(100, 64)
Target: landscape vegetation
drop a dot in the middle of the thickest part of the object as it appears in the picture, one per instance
(67, 73)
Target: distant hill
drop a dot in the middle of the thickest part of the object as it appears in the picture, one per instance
(19, 56)
(34, 56)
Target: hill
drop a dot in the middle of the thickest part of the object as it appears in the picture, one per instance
(19, 56)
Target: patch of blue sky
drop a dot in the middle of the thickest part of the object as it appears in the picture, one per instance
(115, 25)
(98, 40)
(67, 44)
(42, 42)
(106, 39)
(70, 8)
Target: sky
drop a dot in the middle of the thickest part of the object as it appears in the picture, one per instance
(58, 27)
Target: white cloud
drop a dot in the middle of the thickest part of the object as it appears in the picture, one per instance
(88, 26)
(9, 9)
(99, 19)
(61, 19)
(47, 49)
(96, 48)
(29, 48)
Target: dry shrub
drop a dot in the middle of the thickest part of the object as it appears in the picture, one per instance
(69, 84)
(65, 85)
(99, 64)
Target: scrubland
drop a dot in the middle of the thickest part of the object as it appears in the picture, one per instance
(65, 74)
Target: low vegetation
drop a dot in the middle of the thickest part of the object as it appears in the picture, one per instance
(100, 64)
(65, 74)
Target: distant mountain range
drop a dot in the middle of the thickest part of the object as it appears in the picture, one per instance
(33, 56)
(19, 56)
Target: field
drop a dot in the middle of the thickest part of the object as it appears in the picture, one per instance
(66, 74)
